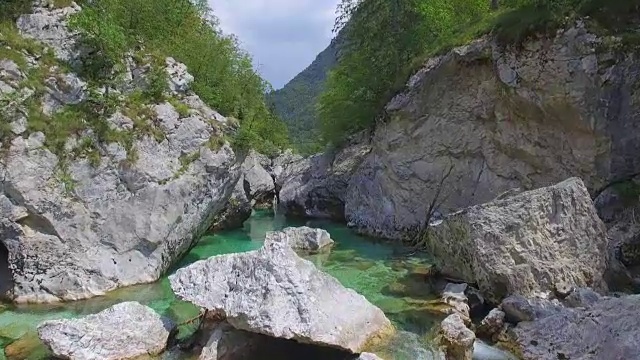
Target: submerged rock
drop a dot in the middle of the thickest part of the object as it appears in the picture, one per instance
(456, 339)
(607, 330)
(525, 244)
(303, 238)
(274, 292)
(124, 331)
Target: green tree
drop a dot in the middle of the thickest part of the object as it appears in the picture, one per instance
(188, 31)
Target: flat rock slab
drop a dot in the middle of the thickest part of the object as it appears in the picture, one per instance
(274, 292)
(123, 331)
(303, 238)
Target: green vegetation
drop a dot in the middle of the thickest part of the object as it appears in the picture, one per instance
(387, 41)
(224, 74)
(296, 102)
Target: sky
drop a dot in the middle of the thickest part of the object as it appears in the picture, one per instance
(283, 36)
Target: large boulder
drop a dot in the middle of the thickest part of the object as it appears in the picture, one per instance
(274, 292)
(316, 186)
(123, 331)
(258, 183)
(500, 118)
(532, 243)
(606, 330)
(305, 239)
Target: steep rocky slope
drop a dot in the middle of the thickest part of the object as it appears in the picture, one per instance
(484, 119)
(101, 187)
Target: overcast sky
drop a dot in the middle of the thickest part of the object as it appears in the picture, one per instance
(283, 36)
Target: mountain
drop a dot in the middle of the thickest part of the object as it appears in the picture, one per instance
(295, 102)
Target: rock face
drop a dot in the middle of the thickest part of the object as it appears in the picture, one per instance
(257, 182)
(254, 190)
(456, 339)
(124, 331)
(316, 186)
(235, 212)
(605, 330)
(50, 27)
(274, 292)
(527, 244)
(100, 214)
(500, 118)
(303, 238)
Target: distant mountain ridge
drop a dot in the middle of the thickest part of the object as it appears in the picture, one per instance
(295, 103)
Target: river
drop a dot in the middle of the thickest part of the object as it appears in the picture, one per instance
(383, 273)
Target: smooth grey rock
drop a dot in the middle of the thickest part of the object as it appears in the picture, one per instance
(582, 297)
(178, 76)
(274, 292)
(258, 183)
(123, 331)
(316, 186)
(525, 244)
(118, 121)
(105, 227)
(303, 238)
(368, 356)
(167, 116)
(606, 330)
(19, 126)
(503, 118)
(456, 339)
(49, 26)
(195, 103)
(236, 211)
(518, 308)
(191, 134)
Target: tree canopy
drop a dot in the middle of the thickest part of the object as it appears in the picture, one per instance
(388, 40)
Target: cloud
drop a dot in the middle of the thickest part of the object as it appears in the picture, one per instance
(283, 36)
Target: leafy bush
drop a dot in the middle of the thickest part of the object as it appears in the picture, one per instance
(12, 9)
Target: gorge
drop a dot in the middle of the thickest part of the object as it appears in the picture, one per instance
(488, 209)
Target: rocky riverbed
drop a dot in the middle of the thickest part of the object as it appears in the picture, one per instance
(381, 272)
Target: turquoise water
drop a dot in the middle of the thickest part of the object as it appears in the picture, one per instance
(384, 274)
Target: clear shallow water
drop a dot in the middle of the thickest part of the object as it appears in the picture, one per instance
(384, 274)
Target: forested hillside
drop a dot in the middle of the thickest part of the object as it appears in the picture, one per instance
(386, 42)
(296, 102)
(185, 30)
